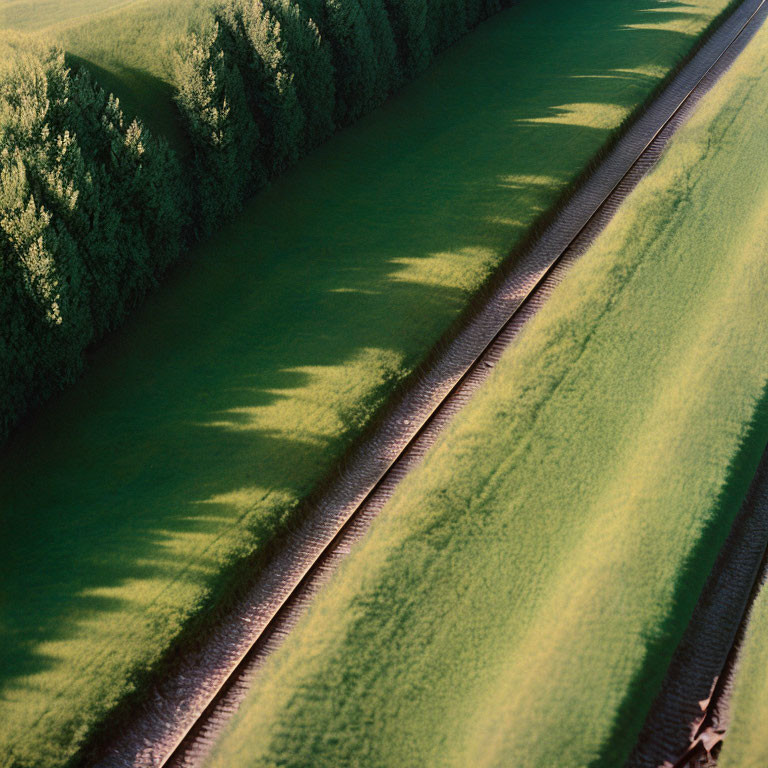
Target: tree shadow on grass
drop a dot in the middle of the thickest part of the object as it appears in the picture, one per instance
(142, 95)
(233, 391)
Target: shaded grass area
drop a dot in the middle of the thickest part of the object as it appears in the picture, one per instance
(519, 600)
(235, 389)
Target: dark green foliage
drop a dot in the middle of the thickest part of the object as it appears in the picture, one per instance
(222, 132)
(409, 24)
(40, 309)
(89, 215)
(46, 293)
(308, 57)
(354, 58)
(137, 229)
(446, 22)
(254, 36)
(384, 48)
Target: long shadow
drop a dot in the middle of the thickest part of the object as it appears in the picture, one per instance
(142, 95)
(199, 427)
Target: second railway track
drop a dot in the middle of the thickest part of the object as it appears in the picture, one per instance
(189, 707)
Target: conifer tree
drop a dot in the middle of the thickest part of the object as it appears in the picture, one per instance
(155, 199)
(384, 49)
(82, 225)
(356, 71)
(140, 185)
(41, 171)
(44, 298)
(224, 137)
(446, 22)
(409, 26)
(309, 59)
(254, 35)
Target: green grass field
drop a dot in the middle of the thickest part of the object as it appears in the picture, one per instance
(518, 601)
(199, 427)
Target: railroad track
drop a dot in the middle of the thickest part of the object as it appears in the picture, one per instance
(186, 711)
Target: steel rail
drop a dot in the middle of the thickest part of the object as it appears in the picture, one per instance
(191, 742)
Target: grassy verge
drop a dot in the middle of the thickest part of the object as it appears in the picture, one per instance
(232, 392)
(518, 601)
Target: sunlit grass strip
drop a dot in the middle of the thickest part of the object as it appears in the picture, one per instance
(518, 601)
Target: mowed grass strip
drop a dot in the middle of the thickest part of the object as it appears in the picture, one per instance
(38, 14)
(518, 601)
(199, 428)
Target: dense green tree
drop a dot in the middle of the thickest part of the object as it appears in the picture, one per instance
(142, 198)
(345, 26)
(223, 134)
(387, 71)
(44, 183)
(89, 214)
(309, 59)
(44, 302)
(254, 36)
(409, 25)
(268, 79)
(446, 22)
(111, 187)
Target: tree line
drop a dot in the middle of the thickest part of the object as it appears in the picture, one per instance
(91, 212)
(264, 81)
(93, 208)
